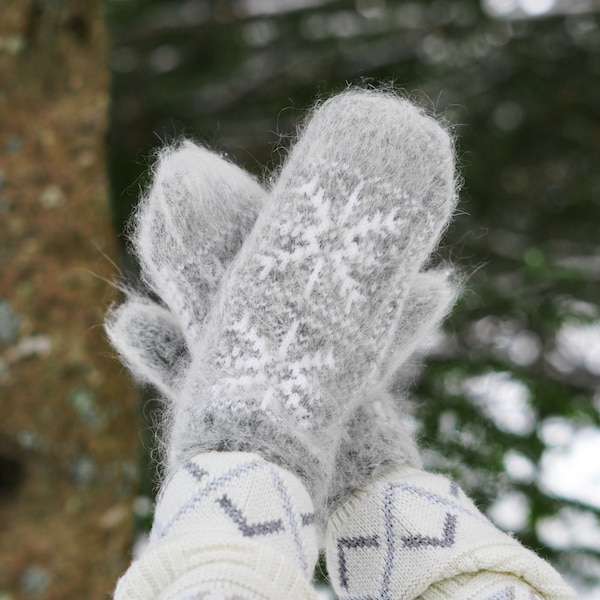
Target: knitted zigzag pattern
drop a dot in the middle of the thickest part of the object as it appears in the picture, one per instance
(412, 534)
(227, 525)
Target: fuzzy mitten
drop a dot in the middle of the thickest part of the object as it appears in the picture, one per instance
(368, 445)
(411, 534)
(186, 231)
(398, 173)
(227, 526)
(306, 312)
(186, 234)
(376, 436)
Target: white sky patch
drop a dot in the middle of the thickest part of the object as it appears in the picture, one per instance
(273, 7)
(519, 467)
(524, 349)
(579, 344)
(501, 7)
(508, 338)
(510, 512)
(570, 528)
(557, 433)
(571, 469)
(504, 399)
(534, 8)
(537, 7)
(523, 9)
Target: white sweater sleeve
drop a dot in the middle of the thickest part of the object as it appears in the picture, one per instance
(227, 525)
(413, 534)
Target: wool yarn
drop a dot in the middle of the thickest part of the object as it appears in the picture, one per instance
(412, 534)
(232, 525)
(306, 310)
(283, 320)
(176, 225)
(194, 220)
(227, 526)
(376, 436)
(150, 342)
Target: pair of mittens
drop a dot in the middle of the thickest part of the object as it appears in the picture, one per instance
(286, 314)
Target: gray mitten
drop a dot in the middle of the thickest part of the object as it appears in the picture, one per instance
(312, 318)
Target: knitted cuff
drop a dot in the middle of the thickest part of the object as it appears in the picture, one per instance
(481, 586)
(412, 534)
(230, 524)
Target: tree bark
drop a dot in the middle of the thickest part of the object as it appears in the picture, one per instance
(68, 415)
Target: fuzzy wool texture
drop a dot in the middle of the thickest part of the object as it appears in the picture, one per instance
(185, 235)
(382, 182)
(282, 338)
(377, 438)
(306, 311)
(412, 534)
(150, 342)
(227, 525)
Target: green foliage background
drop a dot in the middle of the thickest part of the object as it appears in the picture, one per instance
(523, 99)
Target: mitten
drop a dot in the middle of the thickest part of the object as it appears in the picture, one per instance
(297, 332)
(227, 525)
(368, 443)
(185, 234)
(187, 197)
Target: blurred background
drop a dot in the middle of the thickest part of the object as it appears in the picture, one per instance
(509, 402)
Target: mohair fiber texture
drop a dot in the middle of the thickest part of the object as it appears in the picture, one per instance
(284, 321)
(320, 306)
(184, 251)
(376, 436)
(186, 231)
(150, 342)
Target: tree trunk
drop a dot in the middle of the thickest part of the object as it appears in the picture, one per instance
(68, 415)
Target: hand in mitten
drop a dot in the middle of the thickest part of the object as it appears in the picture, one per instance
(372, 224)
(227, 525)
(368, 445)
(355, 241)
(376, 436)
(194, 220)
(304, 315)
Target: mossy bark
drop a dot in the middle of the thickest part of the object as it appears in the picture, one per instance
(69, 416)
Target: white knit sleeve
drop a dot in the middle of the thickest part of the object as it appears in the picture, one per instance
(230, 526)
(413, 534)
